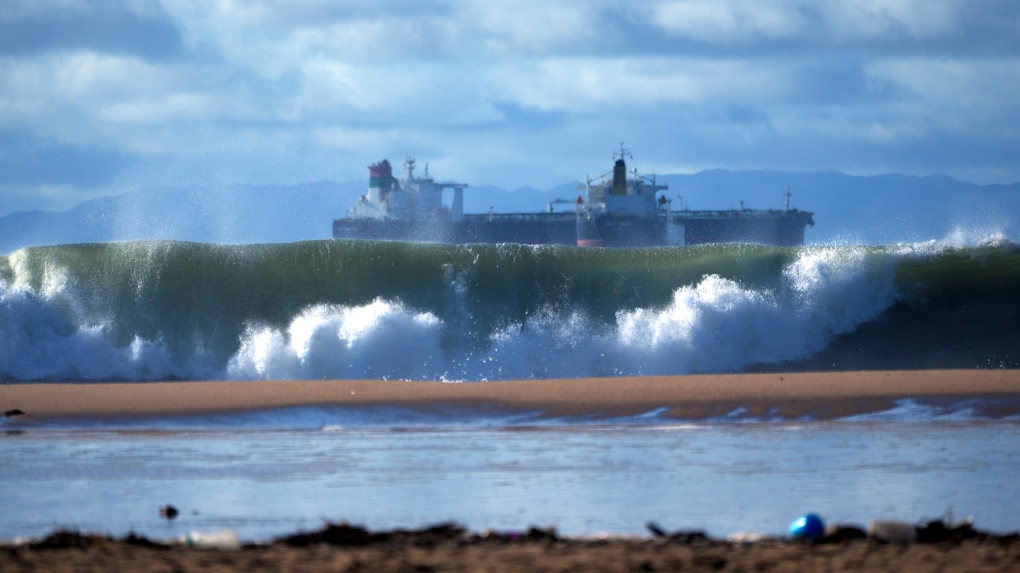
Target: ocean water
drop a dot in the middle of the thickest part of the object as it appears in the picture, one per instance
(350, 309)
(334, 309)
(269, 474)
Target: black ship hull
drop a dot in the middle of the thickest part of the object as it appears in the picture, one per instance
(780, 228)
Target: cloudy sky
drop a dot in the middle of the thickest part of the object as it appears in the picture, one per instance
(110, 95)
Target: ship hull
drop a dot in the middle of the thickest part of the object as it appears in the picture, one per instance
(780, 228)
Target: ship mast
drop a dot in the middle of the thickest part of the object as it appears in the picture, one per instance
(409, 168)
(623, 152)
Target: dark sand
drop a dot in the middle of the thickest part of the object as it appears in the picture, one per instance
(824, 395)
(425, 552)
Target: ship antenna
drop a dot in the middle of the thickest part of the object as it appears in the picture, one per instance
(409, 168)
(623, 152)
(788, 197)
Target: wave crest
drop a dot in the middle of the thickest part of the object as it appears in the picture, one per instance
(189, 311)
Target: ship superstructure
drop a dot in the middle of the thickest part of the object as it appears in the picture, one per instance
(625, 209)
(616, 209)
(408, 199)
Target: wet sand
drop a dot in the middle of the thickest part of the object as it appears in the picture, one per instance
(822, 395)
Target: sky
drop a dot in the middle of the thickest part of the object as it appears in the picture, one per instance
(108, 96)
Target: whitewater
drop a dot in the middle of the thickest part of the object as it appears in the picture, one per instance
(146, 311)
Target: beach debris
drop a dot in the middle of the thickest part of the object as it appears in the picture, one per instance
(747, 538)
(890, 531)
(808, 526)
(69, 539)
(655, 529)
(843, 534)
(168, 512)
(13, 413)
(224, 540)
(939, 531)
(64, 539)
(534, 534)
(344, 534)
(548, 534)
(142, 541)
(332, 534)
(945, 530)
(680, 537)
(451, 535)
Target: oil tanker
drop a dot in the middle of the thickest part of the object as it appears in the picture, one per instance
(616, 209)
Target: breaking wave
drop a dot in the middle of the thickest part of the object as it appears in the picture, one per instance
(341, 309)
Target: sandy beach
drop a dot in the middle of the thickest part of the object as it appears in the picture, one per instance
(790, 395)
(824, 395)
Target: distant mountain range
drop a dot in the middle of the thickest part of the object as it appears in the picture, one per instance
(871, 210)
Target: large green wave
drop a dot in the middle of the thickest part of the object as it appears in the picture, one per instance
(205, 299)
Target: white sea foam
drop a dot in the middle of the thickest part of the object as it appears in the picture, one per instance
(379, 340)
(39, 342)
(963, 237)
(716, 325)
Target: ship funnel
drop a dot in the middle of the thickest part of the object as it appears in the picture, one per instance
(380, 181)
(380, 175)
(620, 178)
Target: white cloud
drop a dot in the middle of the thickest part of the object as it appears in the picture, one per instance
(376, 40)
(422, 95)
(749, 21)
(729, 20)
(917, 19)
(119, 102)
(530, 26)
(973, 97)
(589, 84)
(523, 91)
(274, 39)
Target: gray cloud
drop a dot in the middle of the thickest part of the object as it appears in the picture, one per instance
(522, 92)
(108, 26)
(25, 162)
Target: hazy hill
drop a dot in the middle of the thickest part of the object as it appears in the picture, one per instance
(228, 214)
(873, 210)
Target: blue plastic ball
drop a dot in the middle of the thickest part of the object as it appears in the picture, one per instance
(808, 526)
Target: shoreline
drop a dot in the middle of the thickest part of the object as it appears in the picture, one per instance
(448, 547)
(824, 395)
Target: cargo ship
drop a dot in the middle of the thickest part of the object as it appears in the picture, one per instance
(616, 209)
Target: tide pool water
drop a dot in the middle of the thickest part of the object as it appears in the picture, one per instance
(273, 473)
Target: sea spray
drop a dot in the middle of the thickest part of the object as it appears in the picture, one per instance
(40, 343)
(716, 325)
(378, 340)
(342, 309)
